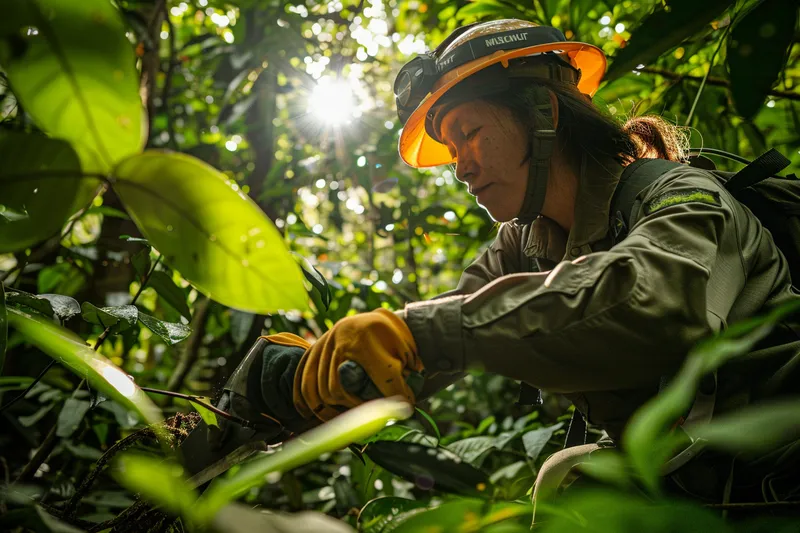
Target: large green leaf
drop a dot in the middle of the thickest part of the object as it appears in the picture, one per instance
(71, 351)
(354, 425)
(211, 232)
(117, 318)
(40, 187)
(73, 70)
(171, 332)
(757, 51)
(662, 30)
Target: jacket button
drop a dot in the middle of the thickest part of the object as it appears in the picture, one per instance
(575, 251)
(444, 364)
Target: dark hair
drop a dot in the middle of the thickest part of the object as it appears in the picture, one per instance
(584, 129)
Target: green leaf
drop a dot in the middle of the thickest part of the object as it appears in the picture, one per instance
(107, 212)
(473, 449)
(356, 424)
(3, 326)
(430, 421)
(535, 441)
(757, 52)
(463, 515)
(20, 298)
(171, 332)
(662, 30)
(159, 481)
(117, 318)
(316, 279)
(209, 417)
(71, 416)
(73, 70)
(40, 187)
(211, 232)
(171, 293)
(380, 512)
(430, 468)
(754, 429)
(64, 307)
(646, 437)
(141, 261)
(70, 350)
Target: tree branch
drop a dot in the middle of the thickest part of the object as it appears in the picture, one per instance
(720, 82)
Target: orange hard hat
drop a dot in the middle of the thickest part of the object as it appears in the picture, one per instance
(423, 81)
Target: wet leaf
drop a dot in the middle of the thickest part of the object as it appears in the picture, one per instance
(64, 307)
(33, 302)
(171, 332)
(117, 318)
(380, 512)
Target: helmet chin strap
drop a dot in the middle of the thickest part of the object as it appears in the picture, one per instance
(543, 138)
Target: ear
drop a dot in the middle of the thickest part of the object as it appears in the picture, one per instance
(554, 105)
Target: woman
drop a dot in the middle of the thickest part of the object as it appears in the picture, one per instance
(555, 302)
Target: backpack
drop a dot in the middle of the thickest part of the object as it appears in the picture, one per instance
(774, 200)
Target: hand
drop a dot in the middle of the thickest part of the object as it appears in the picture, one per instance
(378, 341)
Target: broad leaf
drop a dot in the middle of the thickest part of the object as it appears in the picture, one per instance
(378, 513)
(211, 232)
(159, 481)
(662, 30)
(117, 318)
(3, 327)
(70, 416)
(71, 351)
(171, 332)
(241, 322)
(354, 425)
(757, 51)
(40, 187)
(430, 468)
(64, 307)
(171, 293)
(73, 70)
(535, 441)
(473, 449)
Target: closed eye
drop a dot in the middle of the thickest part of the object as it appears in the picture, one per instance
(472, 133)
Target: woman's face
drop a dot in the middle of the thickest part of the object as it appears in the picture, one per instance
(490, 147)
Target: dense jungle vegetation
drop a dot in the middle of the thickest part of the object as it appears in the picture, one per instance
(180, 177)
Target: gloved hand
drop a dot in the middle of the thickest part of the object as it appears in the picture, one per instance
(379, 342)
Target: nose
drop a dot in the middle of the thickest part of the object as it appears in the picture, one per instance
(465, 169)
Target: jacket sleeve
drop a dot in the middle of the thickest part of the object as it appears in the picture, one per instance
(500, 258)
(615, 319)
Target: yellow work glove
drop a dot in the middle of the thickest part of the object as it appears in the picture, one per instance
(378, 341)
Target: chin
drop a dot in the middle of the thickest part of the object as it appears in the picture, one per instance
(498, 215)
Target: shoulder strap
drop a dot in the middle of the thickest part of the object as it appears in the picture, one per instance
(767, 164)
(635, 178)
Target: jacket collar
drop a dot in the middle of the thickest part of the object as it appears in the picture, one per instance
(592, 205)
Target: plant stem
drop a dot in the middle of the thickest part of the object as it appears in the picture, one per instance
(705, 78)
(32, 385)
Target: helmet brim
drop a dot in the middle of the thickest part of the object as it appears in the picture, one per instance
(420, 150)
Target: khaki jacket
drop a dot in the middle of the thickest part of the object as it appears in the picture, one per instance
(603, 324)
